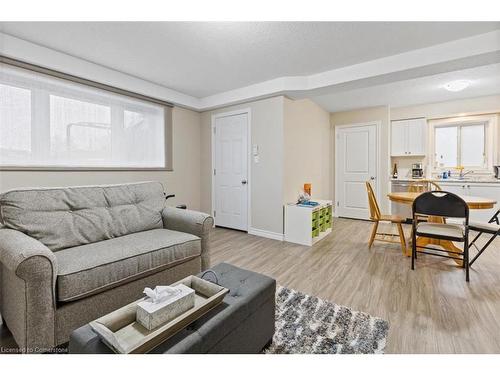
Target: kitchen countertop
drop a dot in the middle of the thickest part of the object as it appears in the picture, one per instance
(483, 179)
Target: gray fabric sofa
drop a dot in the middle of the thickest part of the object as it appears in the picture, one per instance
(70, 255)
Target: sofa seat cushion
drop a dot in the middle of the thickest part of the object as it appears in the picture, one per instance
(90, 269)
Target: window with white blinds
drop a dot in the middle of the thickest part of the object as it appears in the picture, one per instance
(468, 142)
(49, 122)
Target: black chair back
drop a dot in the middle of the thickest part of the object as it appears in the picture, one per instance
(441, 203)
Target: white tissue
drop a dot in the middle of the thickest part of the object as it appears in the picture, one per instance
(161, 293)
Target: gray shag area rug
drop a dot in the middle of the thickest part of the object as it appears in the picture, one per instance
(309, 325)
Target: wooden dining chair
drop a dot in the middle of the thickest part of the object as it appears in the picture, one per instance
(377, 217)
(423, 186)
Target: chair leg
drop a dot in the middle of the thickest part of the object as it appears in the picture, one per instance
(402, 238)
(475, 238)
(374, 232)
(466, 257)
(413, 249)
(482, 249)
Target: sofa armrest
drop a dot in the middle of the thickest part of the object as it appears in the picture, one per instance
(28, 289)
(19, 251)
(193, 222)
(28, 258)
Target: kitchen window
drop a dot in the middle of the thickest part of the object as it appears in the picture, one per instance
(465, 142)
(49, 122)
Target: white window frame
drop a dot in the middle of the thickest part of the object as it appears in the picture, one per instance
(490, 138)
(37, 97)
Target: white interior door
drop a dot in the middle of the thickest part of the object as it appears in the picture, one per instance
(230, 172)
(356, 155)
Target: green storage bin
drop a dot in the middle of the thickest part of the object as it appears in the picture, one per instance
(315, 215)
(315, 233)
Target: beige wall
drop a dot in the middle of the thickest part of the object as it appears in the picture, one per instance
(381, 114)
(266, 178)
(294, 148)
(184, 181)
(307, 147)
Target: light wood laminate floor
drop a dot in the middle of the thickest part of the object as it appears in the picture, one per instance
(430, 310)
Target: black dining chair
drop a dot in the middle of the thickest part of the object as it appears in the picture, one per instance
(491, 227)
(447, 205)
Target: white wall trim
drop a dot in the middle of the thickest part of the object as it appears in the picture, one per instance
(29, 52)
(441, 53)
(378, 127)
(248, 112)
(266, 234)
(477, 45)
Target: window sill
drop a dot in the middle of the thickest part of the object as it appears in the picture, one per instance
(85, 169)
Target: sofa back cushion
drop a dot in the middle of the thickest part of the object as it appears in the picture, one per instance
(74, 216)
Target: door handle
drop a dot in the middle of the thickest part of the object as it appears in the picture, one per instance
(372, 178)
(244, 182)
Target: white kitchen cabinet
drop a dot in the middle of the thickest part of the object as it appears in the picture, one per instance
(408, 137)
(456, 188)
(486, 191)
(398, 139)
(476, 189)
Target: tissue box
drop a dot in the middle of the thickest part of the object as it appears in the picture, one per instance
(152, 315)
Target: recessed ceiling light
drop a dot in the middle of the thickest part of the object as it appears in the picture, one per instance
(458, 85)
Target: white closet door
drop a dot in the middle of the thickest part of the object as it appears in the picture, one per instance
(356, 153)
(231, 187)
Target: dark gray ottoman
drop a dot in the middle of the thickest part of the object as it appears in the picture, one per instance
(242, 323)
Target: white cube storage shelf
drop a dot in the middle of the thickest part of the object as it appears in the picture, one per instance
(308, 225)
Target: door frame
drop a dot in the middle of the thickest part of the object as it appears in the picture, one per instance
(378, 126)
(248, 112)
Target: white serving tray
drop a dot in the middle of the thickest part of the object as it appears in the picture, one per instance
(123, 334)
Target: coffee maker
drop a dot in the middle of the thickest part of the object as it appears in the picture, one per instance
(417, 171)
(496, 169)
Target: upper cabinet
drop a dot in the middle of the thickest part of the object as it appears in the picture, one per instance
(408, 137)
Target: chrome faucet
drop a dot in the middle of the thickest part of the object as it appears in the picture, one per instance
(462, 175)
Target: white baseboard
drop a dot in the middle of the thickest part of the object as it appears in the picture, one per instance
(266, 234)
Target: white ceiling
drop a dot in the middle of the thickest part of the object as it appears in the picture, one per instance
(206, 58)
(204, 65)
(485, 80)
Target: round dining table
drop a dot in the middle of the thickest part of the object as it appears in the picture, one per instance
(474, 203)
